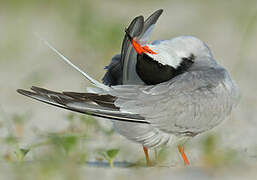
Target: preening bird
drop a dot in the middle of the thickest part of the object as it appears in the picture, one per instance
(155, 93)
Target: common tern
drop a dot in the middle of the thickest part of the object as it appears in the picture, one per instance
(155, 93)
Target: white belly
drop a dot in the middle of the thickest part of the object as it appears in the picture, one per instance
(144, 134)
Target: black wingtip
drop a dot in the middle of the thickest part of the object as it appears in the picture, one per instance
(21, 91)
(25, 92)
(160, 10)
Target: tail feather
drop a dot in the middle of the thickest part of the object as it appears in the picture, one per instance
(93, 81)
(86, 103)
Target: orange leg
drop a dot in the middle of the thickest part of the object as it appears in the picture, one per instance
(180, 148)
(146, 156)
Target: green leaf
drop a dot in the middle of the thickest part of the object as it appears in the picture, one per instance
(112, 153)
(67, 142)
(21, 153)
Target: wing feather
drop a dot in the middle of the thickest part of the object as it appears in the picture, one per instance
(86, 103)
(138, 29)
(149, 26)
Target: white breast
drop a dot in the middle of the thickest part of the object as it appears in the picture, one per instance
(145, 134)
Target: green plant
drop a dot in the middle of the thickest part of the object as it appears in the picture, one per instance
(21, 153)
(109, 155)
(64, 142)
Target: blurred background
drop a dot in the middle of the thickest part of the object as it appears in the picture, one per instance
(41, 141)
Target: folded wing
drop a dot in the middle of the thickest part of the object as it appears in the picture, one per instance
(188, 104)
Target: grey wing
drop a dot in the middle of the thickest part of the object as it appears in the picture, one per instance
(188, 104)
(122, 69)
(86, 103)
(139, 30)
(128, 54)
(148, 26)
(120, 63)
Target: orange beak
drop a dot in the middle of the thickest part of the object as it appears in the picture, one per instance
(139, 49)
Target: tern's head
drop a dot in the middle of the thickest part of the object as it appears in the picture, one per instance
(169, 58)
